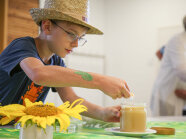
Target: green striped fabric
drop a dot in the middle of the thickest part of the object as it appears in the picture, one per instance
(100, 133)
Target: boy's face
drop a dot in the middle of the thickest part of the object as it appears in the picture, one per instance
(61, 36)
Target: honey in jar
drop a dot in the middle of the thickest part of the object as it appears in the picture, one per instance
(133, 118)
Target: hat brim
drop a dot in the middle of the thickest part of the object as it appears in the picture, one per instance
(39, 14)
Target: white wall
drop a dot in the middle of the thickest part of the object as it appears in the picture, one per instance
(95, 43)
(131, 39)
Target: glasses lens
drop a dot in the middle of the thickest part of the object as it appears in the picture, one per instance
(81, 42)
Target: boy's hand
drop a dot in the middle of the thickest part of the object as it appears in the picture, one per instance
(111, 114)
(114, 87)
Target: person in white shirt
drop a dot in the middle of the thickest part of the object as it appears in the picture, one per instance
(168, 94)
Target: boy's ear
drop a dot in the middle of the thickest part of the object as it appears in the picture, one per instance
(46, 26)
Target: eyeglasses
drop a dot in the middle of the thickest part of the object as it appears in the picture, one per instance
(72, 37)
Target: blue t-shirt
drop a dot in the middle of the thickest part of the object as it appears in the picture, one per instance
(14, 83)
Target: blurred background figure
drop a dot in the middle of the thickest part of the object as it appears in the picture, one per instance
(169, 91)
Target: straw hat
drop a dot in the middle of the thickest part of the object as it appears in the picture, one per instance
(75, 11)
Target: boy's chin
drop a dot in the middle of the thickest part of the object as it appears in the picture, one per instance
(63, 55)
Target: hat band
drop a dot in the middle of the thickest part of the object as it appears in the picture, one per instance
(80, 17)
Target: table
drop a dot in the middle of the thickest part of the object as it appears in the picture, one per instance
(179, 123)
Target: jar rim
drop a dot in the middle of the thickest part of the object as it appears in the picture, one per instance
(135, 104)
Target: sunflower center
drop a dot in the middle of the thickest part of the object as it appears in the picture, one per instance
(41, 110)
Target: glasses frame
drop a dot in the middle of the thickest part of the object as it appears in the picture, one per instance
(72, 36)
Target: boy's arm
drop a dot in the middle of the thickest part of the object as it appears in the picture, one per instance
(67, 94)
(109, 114)
(57, 76)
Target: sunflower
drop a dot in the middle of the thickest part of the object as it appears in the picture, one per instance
(42, 114)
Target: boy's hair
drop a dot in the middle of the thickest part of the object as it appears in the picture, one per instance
(40, 26)
(40, 23)
(184, 22)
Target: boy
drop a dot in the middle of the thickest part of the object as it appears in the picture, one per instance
(30, 66)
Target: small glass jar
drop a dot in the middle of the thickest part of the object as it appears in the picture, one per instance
(133, 117)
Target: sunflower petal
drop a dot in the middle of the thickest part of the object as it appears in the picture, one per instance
(50, 120)
(28, 103)
(64, 105)
(12, 110)
(61, 122)
(51, 104)
(43, 122)
(79, 108)
(74, 111)
(5, 120)
(24, 119)
(81, 101)
(38, 103)
(34, 119)
(65, 118)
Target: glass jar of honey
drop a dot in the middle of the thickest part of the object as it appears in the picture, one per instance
(133, 117)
